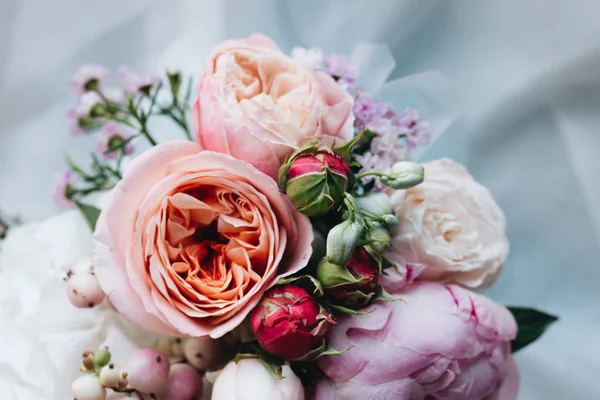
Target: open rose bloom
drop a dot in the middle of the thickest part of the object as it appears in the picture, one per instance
(191, 239)
(258, 105)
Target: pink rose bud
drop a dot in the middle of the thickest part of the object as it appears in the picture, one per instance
(354, 284)
(148, 371)
(289, 323)
(84, 291)
(315, 180)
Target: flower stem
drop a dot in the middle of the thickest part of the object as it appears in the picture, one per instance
(370, 173)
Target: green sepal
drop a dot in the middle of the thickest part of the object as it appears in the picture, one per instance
(332, 275)
(306, 282)
(345, 151)
(382, 295)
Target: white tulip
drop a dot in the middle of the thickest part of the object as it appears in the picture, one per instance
(249, 379)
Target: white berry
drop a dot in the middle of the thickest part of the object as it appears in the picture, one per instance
(84, 291)
(110, 376)
(88, 387)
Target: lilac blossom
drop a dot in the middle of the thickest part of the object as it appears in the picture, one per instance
(339, 66)
(88, 78)
(416, 131)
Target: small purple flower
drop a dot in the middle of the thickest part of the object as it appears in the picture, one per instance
(416, 131)
(113, 135)
(63, 185)
(366, 110)
(311, 58)
(88, 78)
(341, 68)
(135, 83)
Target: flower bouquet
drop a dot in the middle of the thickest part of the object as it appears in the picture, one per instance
(285, 247)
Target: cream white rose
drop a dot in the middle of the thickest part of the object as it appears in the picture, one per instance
(452, 226)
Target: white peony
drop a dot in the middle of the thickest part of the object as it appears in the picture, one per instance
(42, 334)
(451, 227)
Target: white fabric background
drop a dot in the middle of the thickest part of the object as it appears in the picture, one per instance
(528, 81)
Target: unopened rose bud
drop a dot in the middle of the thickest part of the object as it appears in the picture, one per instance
(376, 203)
(315, 182)
(342, 239)
(88, 387)
(390, 220)
(378, 237)
(353, 284)
(110, 376)
(289, 323)
(404, 175)
(84, 291)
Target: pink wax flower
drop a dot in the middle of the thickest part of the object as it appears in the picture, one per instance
(259, 105)
(62, 185)
(89, 78)
(113, 137)
(136, 83)
(445, 342)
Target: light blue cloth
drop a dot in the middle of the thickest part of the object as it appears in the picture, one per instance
(526, 83)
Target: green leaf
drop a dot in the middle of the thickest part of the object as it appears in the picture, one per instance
(532, 324)
(90, 213)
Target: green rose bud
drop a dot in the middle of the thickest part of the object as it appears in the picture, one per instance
(378, 237)
(376, 203)
(342, 239)
(404, 175)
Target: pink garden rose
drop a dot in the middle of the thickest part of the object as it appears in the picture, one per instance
(451, 225)
(191, 239)
(258, 105)
(445, 343)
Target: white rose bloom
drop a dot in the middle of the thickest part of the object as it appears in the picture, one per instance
(43, 335)
(451, 225)
(249, 379)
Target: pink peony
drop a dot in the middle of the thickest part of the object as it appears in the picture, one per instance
(190, 240)
(258, 105)
(445, 343)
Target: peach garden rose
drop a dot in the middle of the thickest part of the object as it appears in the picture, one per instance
(190, 240)
(258, 105)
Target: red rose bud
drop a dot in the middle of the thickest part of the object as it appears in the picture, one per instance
(315, 180)
(353, 285)
(289, 323)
